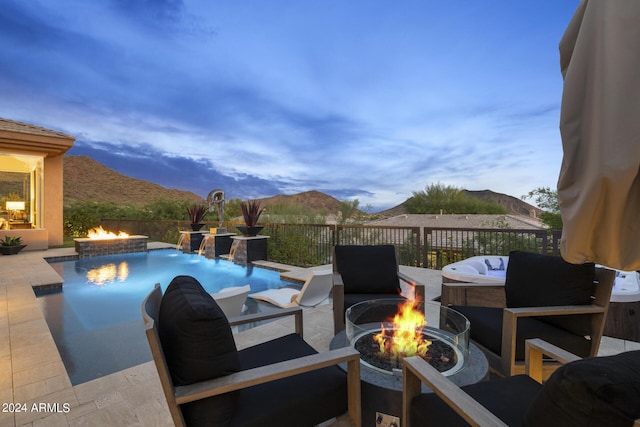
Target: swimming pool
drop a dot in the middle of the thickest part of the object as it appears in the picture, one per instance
(95, 320)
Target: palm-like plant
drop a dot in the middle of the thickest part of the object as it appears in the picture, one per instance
(196, 213)
(251, 211)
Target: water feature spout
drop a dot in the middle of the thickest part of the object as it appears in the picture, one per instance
(234, 246)
(181, 240)
(203, 245)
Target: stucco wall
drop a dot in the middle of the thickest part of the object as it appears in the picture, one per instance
(36, 239)
(27, 139)
(52, 199)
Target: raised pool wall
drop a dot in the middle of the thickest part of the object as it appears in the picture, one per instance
(86, 247)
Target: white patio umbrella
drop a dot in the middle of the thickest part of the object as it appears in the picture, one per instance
(599, 182)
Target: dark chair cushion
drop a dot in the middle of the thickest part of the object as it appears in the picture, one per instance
(305, 399)
(535, 280)
(197, 341)
(486, 330)
(195, 334)
(506, 398)
(538, 280)
(368, 269)
(601, 391)
(302, 400)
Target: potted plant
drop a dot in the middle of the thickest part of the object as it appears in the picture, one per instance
(251, 211)
(196, 213)
(11, 245)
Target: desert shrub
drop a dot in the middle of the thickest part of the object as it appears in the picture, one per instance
(292, 249)
(171, 235)
(78, 220)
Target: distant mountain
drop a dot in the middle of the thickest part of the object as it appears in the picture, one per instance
(314, 200)
(513, 205)
(394, 211)
(87, 180)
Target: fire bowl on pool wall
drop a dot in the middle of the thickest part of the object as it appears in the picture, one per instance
(88, 247)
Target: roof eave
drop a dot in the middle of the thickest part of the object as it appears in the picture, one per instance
(19, 142)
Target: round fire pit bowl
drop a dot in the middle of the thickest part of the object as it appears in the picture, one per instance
(446, 329)
(382, 388)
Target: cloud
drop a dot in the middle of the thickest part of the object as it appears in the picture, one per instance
(147, 163)
(357, 101)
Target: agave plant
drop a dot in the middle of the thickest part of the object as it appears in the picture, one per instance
(196, 213)
(251, 211)
(11, 241)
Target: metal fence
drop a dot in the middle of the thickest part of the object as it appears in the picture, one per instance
(294, 244)
(312, 244)
(446, 245)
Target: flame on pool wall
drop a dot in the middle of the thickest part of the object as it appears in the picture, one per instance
(99, 233)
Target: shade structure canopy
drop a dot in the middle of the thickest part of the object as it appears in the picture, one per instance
(599, 182)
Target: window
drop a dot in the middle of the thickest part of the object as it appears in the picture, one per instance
(20, 191)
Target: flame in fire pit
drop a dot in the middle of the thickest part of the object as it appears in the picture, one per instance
(100, 233)
(405, 338)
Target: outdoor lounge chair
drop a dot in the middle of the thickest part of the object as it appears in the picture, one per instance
(546, 297)
(315, 290)
(206, 381)
(231, 300)
(600, 391)
(366, 272)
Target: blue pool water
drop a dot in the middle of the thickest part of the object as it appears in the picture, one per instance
(96, 321)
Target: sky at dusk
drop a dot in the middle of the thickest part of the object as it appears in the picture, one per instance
(361, 99)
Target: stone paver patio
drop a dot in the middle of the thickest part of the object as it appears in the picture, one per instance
(35, 389)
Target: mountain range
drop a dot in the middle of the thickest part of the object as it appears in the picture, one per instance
(87, 180)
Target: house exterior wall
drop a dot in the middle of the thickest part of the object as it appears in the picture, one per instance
(53, 199)
(17, 138)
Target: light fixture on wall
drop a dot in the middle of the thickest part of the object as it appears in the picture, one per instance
(14, 206)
